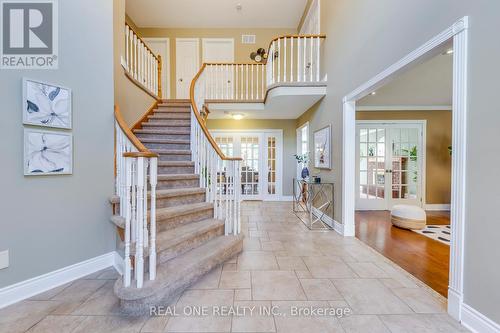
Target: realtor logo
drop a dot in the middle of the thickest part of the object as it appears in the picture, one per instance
(29, 34)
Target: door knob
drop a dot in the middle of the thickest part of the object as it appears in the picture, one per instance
(180, 80)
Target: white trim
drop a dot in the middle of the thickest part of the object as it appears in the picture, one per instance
(457, 32)
(285, 198)
(205, 41)
(118, 263)
(34, 286)
(477, 322)
(437, 207)
(166, 59)
(404, 108)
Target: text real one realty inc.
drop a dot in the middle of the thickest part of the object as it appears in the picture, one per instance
(242, 311)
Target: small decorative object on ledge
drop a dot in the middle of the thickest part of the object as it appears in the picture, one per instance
(322, 148)
(317, 179)
(46, 105)
(303, 160)
(260, 56)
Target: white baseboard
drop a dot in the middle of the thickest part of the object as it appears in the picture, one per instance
(34, 286)
(434, 207)
(454, 304)
(118, 263)
(477, 322)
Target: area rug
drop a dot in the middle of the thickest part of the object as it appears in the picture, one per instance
(441, 233)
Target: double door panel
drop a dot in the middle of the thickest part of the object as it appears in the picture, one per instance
(260, 174)
(389, 165)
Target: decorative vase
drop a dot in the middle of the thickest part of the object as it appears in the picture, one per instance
(305, 173)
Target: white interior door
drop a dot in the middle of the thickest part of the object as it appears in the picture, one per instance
(261, 170)
(220, 50)
(161, 46)
(389, 165)
(187, 64)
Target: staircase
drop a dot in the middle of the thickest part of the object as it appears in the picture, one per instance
(189, 240)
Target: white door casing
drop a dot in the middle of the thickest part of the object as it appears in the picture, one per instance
(161, 46)
(458, 32)
(187, 64)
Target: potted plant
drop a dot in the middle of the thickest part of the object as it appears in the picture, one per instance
(303, 160)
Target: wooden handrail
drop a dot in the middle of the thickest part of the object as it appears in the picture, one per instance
(201, 122)
(131, 136)
(140, 154)
(142, 40)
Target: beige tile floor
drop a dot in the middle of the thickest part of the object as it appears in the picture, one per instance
(283, 267)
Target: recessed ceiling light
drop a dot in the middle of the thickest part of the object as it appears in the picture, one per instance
(373, 93)
(237, 116)
(448, 52)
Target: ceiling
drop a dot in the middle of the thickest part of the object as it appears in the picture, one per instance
(216, 13)
(281, 103)
(427, 86)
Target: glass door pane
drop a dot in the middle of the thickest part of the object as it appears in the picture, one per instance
(405, 163)
(250, 165)
(271, 165)
(371, 167)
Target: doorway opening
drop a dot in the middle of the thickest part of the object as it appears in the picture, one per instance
(457, 35)
(262, 154)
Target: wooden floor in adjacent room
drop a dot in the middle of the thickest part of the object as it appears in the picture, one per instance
(425, 258)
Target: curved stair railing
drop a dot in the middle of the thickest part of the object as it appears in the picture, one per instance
(219, 174)
(291, 60)
(136, 179)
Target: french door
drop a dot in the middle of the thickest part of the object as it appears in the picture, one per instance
(261, 165)
(389, 164)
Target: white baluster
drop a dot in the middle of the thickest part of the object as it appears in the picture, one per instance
(291, 59)
(139, 246)
(252, 84)
(311, 70)
(247, 82)
(279, 61)
(284, 62)
(304, 60)
(299, 53)
(128, 217)
(318, 41)
(153, 181)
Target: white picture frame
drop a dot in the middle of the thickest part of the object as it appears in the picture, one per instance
(46, 105)
(47, 152)
(323, 148)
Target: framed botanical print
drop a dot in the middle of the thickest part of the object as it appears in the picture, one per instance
(47, 152)
(46, 105)
(322, 148)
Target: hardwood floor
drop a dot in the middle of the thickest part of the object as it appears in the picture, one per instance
(425, 258)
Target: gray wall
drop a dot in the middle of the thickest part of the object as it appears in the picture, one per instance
(55, 221)
(364, 38)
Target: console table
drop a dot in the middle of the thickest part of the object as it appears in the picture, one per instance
(313, 203)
